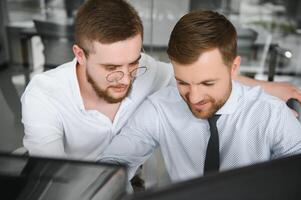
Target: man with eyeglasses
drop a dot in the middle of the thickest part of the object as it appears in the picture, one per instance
(75, 110)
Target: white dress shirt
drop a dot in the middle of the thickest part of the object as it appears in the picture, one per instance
(253, 127)
(56, 122)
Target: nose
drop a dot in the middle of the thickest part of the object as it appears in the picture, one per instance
(126, 79)
(196, 94)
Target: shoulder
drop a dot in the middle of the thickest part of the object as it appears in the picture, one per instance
(149, 61)
(160, 70)
(157, 76)
(256, 93)
(257, 100)
(51, 83)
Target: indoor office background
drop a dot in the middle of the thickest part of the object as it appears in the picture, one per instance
(36, 35)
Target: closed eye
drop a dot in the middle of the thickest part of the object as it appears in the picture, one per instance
(182, 83)
(111, 67)
(135, 64)
(208, 84)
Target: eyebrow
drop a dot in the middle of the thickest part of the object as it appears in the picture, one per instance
(180, 80)
(202, 82)
(136, 59)
(111, 64)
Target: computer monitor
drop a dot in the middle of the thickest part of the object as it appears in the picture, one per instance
(275, 180)
(33, 178)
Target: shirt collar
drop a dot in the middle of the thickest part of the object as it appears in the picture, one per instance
(75, 85)
(232, 103)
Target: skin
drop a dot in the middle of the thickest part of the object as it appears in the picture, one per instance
(92, 70)
(205, 85)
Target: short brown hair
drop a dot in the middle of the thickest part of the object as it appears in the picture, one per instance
(200, 31)
(105, 21)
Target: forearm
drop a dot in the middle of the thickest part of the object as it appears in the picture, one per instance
(43, 145)
(250, 81)
(128, 150)
(130, 165)
(131, 148)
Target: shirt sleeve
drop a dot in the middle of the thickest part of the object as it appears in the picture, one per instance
(42, 125)
(137, 140)
(164, 74)
(286, 133)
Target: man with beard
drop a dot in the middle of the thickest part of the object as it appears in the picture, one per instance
(209, 122)
(75, 110)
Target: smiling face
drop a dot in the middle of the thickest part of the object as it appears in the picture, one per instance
(203, 50)
(107, 58)
(205, 85)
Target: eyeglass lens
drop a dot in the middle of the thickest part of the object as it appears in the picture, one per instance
(116, 76)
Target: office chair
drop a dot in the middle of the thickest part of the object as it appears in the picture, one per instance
(58, 40)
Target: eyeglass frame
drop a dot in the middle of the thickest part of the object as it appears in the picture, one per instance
(130, 73)
(142, 67)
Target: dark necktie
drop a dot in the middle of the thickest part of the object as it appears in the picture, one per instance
(212, 153)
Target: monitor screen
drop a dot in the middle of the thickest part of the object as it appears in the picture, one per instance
(23, 177)
(275, 180)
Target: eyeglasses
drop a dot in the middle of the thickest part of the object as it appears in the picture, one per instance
(118, 75)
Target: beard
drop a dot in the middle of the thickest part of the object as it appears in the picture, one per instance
(214, 107)
(205, 114)
(105, 94)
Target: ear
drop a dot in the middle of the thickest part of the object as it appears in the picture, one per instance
(235, 67)
(79, 54)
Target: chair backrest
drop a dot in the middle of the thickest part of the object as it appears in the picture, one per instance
(58, 40)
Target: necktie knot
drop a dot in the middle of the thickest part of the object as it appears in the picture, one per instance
(212, 120)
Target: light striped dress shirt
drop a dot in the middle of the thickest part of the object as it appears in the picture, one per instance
(253, 127)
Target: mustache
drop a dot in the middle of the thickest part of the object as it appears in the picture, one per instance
(204, 101)
(118, 86)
